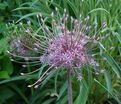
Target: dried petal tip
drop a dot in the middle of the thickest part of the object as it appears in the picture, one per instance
(22, 73)
(56, 9)
(52, 14)
(24, 66)
(40, 15)
(64, 10)
(26, 58)
(21, 23)
(7, 51)
(87, 18)
(36, 86)
(11, 59)
(29, 86)
(104, 24)
(29, 22)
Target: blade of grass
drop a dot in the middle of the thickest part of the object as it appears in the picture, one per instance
(17, 78)
(83, 94)
(116, 68)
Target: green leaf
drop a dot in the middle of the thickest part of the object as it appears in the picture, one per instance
(26, 8)
(36, 96)
(108, 81)
(4, 74)
(7, 65)
(3, 5)
(32, 14)
(5, 93)
(116, 68)
(62, 90)
(83, 94)
(18, 78)
(2, 27)
(63, 100)
(99, 9)
(72, 6)
(101, 85)
(118, 36)
(49, 101)
(50, 75)
(3, 45)
(18, 90)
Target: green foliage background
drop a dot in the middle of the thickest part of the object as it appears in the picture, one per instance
(101, 89)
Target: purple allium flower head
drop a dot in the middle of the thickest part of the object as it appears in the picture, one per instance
(17, 47)
(22, 43)
(64, 46)
(23, 47)
(67, 49)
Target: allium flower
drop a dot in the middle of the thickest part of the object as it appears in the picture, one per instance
(23, 47)
(67, 48)
(67, 51)
(22, 43)
(64, 47)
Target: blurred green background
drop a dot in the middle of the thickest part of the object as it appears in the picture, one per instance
(97, 89)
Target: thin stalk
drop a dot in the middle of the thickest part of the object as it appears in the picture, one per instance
(70, 99)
